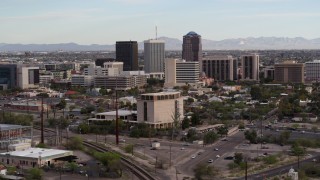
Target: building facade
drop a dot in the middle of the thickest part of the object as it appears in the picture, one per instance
(220, 68)
(160, 109)
(119, 82)
(181, 72)
(289, 72)
(250, 67)
(127, 52)
(154, 54)
(8, 76)
(192, 47)
(312, 70)
(82, 80)
(268, 72)
(28, 77)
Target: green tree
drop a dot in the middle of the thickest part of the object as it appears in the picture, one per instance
(238, 158)
(192, 135)
(203, 171)
(83, 128)
(223, 130)
(210, 137)
(72, 166)
(251, 135)
(185, 123)
(111, 161)
(62, 104)
(34, 174)
(75, 143)
(195, 119)
(129, 148)
(297, 150)
(284, 137)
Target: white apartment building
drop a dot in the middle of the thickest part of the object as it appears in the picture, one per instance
(250, 67)
(154, 54)
(158, 109)
(115, 67)
(109, 69)
(180, 72)
(81, 80)
(312, 69)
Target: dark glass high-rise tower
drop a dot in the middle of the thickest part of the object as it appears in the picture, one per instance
(192, 47)
(127, 52)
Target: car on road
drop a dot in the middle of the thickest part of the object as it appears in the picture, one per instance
(302, 132)
(122, 140)
(217, 156)
(183, 148)
(210, 161)
(229, 158)
(277, 130)
(314, 160)
(216, 149)
(193, 157)
(199, 153)
(225, 139)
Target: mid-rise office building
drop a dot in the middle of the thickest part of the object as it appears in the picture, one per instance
(114, 68)
(220, 68)
(289, 72)
(45, 79)
(8, 76)
(180, 72)
(119, 82)
(154, 55)
(250, 67)
(158, 109)
(127, 52)
(81, 80)
(268, 72)
(313, 70)
(28, 77)
(192, 47)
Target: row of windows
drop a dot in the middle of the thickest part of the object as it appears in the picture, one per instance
(160, 97)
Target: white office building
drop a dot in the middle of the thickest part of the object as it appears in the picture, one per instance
(81, 80)
(221, 68)
(158, 109)
(180, 72)
(312, 69)
(154, 54)
(109, 69)
(28, 77)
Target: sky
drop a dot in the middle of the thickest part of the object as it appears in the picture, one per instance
(107, 21)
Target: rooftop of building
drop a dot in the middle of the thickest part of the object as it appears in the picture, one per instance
(161, 93)
(192, 33)
(4, 127)
(36, 152)
(120, 113)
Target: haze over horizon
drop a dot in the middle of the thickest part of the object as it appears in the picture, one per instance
(106, 21)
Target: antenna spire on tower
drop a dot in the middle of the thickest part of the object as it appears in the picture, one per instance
(156, 33)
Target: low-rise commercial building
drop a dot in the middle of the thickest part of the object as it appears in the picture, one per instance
(289, 72)
(34, 157)
(120, 82)
(81, 80)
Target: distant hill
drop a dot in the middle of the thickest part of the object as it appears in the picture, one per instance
(249, 43)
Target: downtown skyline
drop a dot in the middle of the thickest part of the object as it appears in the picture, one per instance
(108, 21)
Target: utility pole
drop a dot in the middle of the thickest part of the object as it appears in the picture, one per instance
(170, 154)
(42, 135)
(117, 119)
(246, 177)
(261, 132)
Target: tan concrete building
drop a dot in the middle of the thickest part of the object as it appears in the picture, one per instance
(289, 72)
(250, 67)
(158, 109)
(180, 72)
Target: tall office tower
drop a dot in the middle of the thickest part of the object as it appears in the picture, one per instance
(289, 72)
(154, 56)
(313, 70)
(250, 67)
(127, 52)
(219, 67)
(192, 47)
(180, 72)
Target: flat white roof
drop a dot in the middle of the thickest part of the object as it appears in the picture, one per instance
(120, 113)
(36, 152)
(161, 93)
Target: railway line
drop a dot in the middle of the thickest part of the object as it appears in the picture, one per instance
(139, 172)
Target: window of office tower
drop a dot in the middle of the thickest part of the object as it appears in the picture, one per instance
(145, 111)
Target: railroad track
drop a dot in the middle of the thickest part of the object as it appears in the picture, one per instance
(138, 171)
(141, 173)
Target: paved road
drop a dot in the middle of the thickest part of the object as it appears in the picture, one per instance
(209, 153)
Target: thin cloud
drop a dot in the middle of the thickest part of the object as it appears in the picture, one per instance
(276, 15)
(79, 13)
